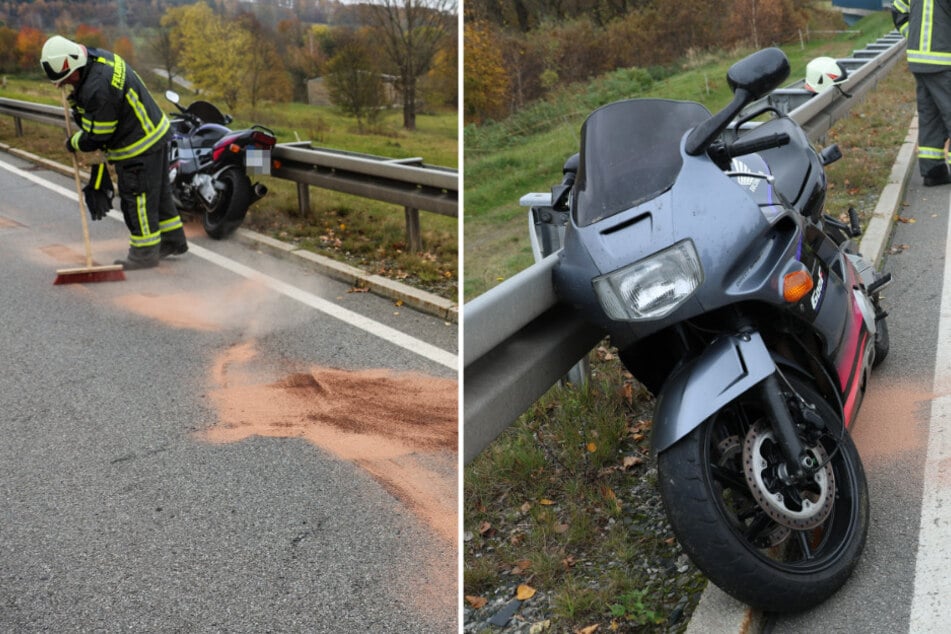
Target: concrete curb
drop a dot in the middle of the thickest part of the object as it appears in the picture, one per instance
(378, 285)
(717, 612)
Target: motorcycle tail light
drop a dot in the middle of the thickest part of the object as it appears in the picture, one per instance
(262, 138)
(653, 287)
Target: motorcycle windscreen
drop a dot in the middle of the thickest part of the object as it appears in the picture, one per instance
(630, 153)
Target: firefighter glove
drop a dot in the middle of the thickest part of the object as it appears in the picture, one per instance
(99, 192)
(72, 143)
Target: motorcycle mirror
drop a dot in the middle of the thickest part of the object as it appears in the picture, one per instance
(759, 73)
(750, 78)
(172, 96)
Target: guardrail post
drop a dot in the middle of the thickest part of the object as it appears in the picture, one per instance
(414, 238)
(303, 199)
(18, 124)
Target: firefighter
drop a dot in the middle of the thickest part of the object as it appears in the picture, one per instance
(116, 114)
(926, 24)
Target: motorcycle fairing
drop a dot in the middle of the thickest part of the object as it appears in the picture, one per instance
(696, 390)
(637, 156)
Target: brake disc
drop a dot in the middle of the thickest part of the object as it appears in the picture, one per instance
(730, 452)
(762, 458)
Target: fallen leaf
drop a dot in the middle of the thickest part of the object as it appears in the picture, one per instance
(484, 528)
(591, 629)
(568, 561)
(398, 302)
(591, 447)
(517, 539)
(898, 249)
(561, 528)
(541, 626)
(627, 392)
(521, 566)
(359, 289)
(546, 502)
(525, 508)
(524, 592)
(631, 461)
(670, 541)
(907, 221)
(608, 493)
(476, 602)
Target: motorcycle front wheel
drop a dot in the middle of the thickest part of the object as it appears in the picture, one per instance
(231, 205)
(777, 547)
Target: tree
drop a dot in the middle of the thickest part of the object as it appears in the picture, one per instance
(485, 80)
(266, 72)
(354, 83)
(8, 50)
(167, 47)
(215, 54)
(29, 47)
(412, 32)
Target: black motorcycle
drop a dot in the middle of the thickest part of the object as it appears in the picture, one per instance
(209, 165)
(700, 244)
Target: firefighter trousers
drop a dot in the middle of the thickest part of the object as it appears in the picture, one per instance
(933, 92)
(145, 196)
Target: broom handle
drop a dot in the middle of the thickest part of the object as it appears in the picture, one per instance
(79, 188)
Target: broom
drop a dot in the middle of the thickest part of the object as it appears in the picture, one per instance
(88, 273)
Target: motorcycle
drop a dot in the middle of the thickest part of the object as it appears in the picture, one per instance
(699, 243)
(209, 165)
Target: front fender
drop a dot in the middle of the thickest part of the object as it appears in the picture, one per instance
(696, 390)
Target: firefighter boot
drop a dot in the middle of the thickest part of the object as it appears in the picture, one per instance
(140, 258)
(938, 175)
(172, 247)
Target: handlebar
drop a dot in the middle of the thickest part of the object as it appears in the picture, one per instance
(722, 152)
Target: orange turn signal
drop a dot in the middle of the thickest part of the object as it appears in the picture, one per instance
(796, 285)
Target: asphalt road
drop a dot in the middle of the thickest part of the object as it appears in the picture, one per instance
(117, 512)
(892, 433)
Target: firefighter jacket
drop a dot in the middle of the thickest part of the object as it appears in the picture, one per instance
(114, 110)
(926, 24)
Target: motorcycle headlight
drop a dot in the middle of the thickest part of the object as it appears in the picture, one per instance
(652, 287)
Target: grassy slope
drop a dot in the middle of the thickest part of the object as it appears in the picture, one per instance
(505, 160)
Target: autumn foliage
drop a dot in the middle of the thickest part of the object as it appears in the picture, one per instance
(519, 50)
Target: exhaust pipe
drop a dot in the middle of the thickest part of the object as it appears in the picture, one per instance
(258, 191)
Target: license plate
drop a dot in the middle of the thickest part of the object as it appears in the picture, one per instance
(258, 161)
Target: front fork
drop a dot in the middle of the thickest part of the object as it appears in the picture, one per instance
(799, 462)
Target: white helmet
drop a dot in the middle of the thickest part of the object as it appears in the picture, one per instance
(822, 73)
(61, 57)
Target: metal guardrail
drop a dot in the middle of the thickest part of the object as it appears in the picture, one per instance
(407, 182)
(519, 340)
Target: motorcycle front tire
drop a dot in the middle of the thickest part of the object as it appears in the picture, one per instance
(727, 533)
(231, 207)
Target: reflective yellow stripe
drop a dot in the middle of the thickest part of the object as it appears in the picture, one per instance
(143, 144)
(148, 237)
(104, 128)
(901, 6)
(171, 224)
(931, 152)
(99, 173)
(929, 57)
(927, 23)
(903, 29)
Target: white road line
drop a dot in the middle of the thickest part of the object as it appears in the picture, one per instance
(931, 603)
(392, 335)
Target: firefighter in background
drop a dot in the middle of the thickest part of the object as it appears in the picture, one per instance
(926, 24)
(116, 113)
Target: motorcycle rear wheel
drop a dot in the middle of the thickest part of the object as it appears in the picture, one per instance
(231, 206)
(734, 539)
